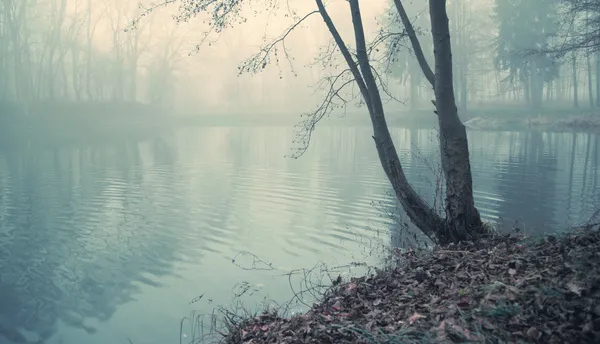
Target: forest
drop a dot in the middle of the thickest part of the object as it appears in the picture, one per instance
(506, 53)
(509, 52)
(84, 51)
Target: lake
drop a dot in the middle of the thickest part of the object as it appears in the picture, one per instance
(111, 242)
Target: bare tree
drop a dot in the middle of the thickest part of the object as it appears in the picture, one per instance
(17, 34)
(574, 73)
(461, 215)
(52, 53)
(403, 63)
(72, 43)
(589, 80)
(91, 25)
(164, 61)
(580, 31)
(462, 219)
(598, 79)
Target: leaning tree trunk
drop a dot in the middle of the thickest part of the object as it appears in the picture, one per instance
(421, 214)
(462, 217)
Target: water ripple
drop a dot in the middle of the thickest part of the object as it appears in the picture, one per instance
(85, 234)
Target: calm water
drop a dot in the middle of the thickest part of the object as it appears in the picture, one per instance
(110, 243)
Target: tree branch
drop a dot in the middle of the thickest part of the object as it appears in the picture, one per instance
(346, 53)
(259, 61)
(147, 10)
(332, 100)
(414, 40)
(383, 86)
(363, 59)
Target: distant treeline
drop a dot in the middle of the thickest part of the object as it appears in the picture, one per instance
(69, 108)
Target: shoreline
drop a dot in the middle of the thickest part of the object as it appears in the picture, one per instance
(501, 288)
(82, 122)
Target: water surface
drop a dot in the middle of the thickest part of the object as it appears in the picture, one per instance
(110, 242)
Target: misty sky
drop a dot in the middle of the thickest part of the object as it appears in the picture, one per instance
(215, 66)
(75, 53)
(208, 78)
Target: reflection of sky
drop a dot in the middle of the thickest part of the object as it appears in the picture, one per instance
(117, 239)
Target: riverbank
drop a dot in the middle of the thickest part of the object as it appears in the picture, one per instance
(46, 123)
(581, 123)
(574, 123)
(60, 123)
(496, 290)
(551, 118)
(501, 117)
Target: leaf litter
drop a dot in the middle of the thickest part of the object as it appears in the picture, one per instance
(499, 289)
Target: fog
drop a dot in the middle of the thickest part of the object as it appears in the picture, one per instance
(89, 50)
(144, 149)
(78, 50)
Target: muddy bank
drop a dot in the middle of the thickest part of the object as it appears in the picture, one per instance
(501, 289)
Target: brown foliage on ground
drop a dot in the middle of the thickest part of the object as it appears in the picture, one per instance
(502, 289)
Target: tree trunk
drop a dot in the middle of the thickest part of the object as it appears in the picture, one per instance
(414, 89)
(460, 18)
(3, 68)
(590, 85)
(64, 78)
(464, 92)
(537, 86)
(560, 85)
(133, 81)
(527, 90)
(574, 75)
(462, 217)
(598, 79)
(90, 30)
(88, 63)
(421, 214)
(533, 89)
(76, 74)
(15, 19)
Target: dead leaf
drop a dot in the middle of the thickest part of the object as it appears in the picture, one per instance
(574, 288)
(394, 299)
(449, 323)
(415, 317)
(327, 317)
(533, 333)
(337, 306)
